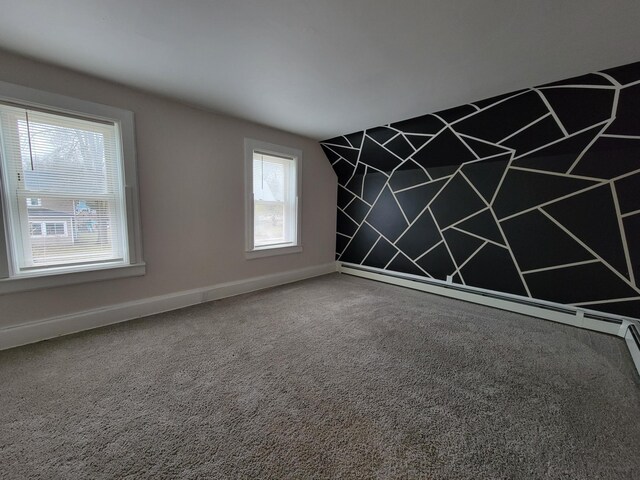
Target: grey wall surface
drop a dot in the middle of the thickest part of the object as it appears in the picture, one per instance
(534, 193)
(190, 164)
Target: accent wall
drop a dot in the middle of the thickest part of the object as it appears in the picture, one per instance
(534, 193)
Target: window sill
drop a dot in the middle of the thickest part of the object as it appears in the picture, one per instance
(272, 251)
(26, 283)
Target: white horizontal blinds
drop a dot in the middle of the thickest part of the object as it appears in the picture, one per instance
(65, 188)
(274, 197)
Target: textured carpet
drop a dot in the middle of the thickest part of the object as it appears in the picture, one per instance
(331, 377)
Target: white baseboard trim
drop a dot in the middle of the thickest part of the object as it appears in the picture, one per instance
(536, 308)
(45, 329)
(627, 328)
(632, 337)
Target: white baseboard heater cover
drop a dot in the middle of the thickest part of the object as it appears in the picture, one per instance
(624, 327)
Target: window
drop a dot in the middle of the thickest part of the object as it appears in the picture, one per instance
(56, 229)
(36, 229)
(48, 229)
(273, 199)
(69, 191)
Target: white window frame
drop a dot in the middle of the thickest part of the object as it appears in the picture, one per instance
(10, 281)
(252, 251)
(31, 204)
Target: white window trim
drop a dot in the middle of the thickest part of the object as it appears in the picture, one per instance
(251, 251)
(30, 97)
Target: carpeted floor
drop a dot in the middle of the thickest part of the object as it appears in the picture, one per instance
(334, 377)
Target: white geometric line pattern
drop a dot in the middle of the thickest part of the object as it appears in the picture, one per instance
(535, 193)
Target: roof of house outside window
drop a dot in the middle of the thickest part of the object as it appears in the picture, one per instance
(46, 212)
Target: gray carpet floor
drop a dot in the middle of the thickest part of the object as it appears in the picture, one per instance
(333, 377)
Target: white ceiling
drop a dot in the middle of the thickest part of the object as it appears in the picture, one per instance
(326, 67)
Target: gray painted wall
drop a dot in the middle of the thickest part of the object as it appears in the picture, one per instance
(190, 164)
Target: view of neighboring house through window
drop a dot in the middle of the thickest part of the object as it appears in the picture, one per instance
(64, 189)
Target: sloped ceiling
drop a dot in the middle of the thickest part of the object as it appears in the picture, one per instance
(325, 67)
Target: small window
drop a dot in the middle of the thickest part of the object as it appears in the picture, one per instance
(273, 199)
(35, 229)
(69, 190)
(56, 229)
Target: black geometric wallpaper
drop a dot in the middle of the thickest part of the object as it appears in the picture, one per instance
(534, 193)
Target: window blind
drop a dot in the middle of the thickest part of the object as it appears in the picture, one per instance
(274, 196)
(63, 187)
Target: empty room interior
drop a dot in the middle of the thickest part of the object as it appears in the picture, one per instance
(319, 239)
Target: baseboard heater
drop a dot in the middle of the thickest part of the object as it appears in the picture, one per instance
(624, 327)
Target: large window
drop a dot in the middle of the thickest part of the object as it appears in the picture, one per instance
(273, 198)
(69, 195)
